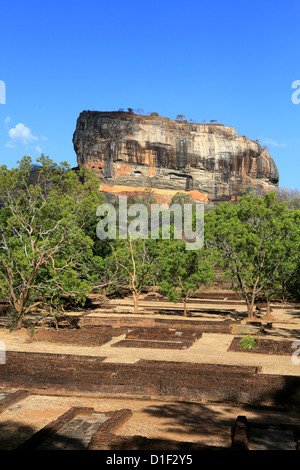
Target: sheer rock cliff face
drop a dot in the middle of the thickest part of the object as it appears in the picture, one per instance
(133, 154)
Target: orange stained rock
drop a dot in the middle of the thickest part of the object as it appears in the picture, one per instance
(162, 195)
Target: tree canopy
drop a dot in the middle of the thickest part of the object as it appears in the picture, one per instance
(183, 271)
(46, 253)
(257, 240)
(50, 252)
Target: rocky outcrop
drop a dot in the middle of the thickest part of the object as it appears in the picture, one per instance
(132, 153)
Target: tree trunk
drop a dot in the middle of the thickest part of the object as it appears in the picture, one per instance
(250, 309)
(185, 311)
(250, 305)
(268, 316)
(20, 321)
(135, 302)
(103, 292)
(20, 313)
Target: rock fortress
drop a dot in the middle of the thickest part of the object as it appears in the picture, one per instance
(135, 155)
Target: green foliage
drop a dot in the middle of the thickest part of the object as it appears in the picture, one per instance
(135, 264)
(257, 241)
(182, 271)
(12, 317)
(248, 343)
(181, 199)
(50, 253)
(46, 254)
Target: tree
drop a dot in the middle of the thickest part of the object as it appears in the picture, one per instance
(290, 284)
(181, 199)
(109, 275)
(45, 252)
(292, 196)
(136, 259)
(182, 271)
(286, 281)
(254, 238)
(180, 117)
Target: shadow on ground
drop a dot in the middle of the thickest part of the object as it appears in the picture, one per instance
(14, 434)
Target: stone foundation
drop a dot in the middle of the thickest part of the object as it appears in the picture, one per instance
(214, 382)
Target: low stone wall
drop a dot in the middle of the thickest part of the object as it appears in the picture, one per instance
(94, 336)
(203, 326)
(114, 421)
(149, 378)
(12, 398)
(184, 344)
(162, 334)
(265, 346)
(53, 427)
(159, 338)
(216, 296)
(249, 435)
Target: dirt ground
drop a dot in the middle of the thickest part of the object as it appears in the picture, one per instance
(211, 348)
(209, 424)
(180, 421)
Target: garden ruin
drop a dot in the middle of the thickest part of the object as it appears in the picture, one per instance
(107, 379)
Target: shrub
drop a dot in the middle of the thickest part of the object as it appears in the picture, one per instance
(248, 343)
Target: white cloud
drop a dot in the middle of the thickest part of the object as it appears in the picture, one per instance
(20, 135)
(273, 143)
(7, 121)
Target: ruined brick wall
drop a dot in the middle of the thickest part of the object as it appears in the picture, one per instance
(93, 336)
(151, 378)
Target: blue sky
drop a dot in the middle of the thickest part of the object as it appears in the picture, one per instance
(233, 61)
